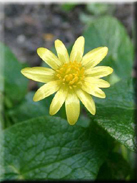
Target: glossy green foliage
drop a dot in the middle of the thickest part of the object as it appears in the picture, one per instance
(49, 148)
(116, 113)
(108, 31)
(15, 84)
(28, 109)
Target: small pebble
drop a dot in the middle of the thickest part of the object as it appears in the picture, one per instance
(21, 38)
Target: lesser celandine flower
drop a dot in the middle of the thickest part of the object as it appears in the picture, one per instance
(74, 78)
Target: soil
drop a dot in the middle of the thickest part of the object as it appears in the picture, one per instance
(29, 26)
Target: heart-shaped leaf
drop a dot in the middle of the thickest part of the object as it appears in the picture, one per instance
(116, 113)
(48, 148)
(15, 84)
(108, 31)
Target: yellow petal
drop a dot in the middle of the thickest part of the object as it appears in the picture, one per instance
(87, 101)
(97, 82)
(40, 74)
(99, 71)
(46, 90)
(61, 51)
(77, 50)
(48, 57)
(72, 106)
(93, 90)
(94, 57)
(58, 101)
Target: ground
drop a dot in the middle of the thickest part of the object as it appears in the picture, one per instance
(29, 26)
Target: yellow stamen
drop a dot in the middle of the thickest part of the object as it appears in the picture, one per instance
(71, 74)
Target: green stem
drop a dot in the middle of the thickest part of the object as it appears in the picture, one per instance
(124, 152)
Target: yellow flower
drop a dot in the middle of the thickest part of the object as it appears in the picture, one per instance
(73, 78)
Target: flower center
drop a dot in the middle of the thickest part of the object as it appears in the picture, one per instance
(71, 74)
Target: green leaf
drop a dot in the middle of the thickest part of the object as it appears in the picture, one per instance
(48, 148)
(68, 6)
(15, 84)
(1, 87)
(87, 19)
(1, 68)
(116, 112)
(108, 31)
(1, 112)
(1, 107)
(114, 168)
(28, 109)
(100, 8)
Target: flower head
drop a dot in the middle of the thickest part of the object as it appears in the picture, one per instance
(73, 78)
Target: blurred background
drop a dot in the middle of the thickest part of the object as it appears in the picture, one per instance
(29, 26)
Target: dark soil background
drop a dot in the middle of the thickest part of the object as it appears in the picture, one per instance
(26, 27)
(29, 26)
